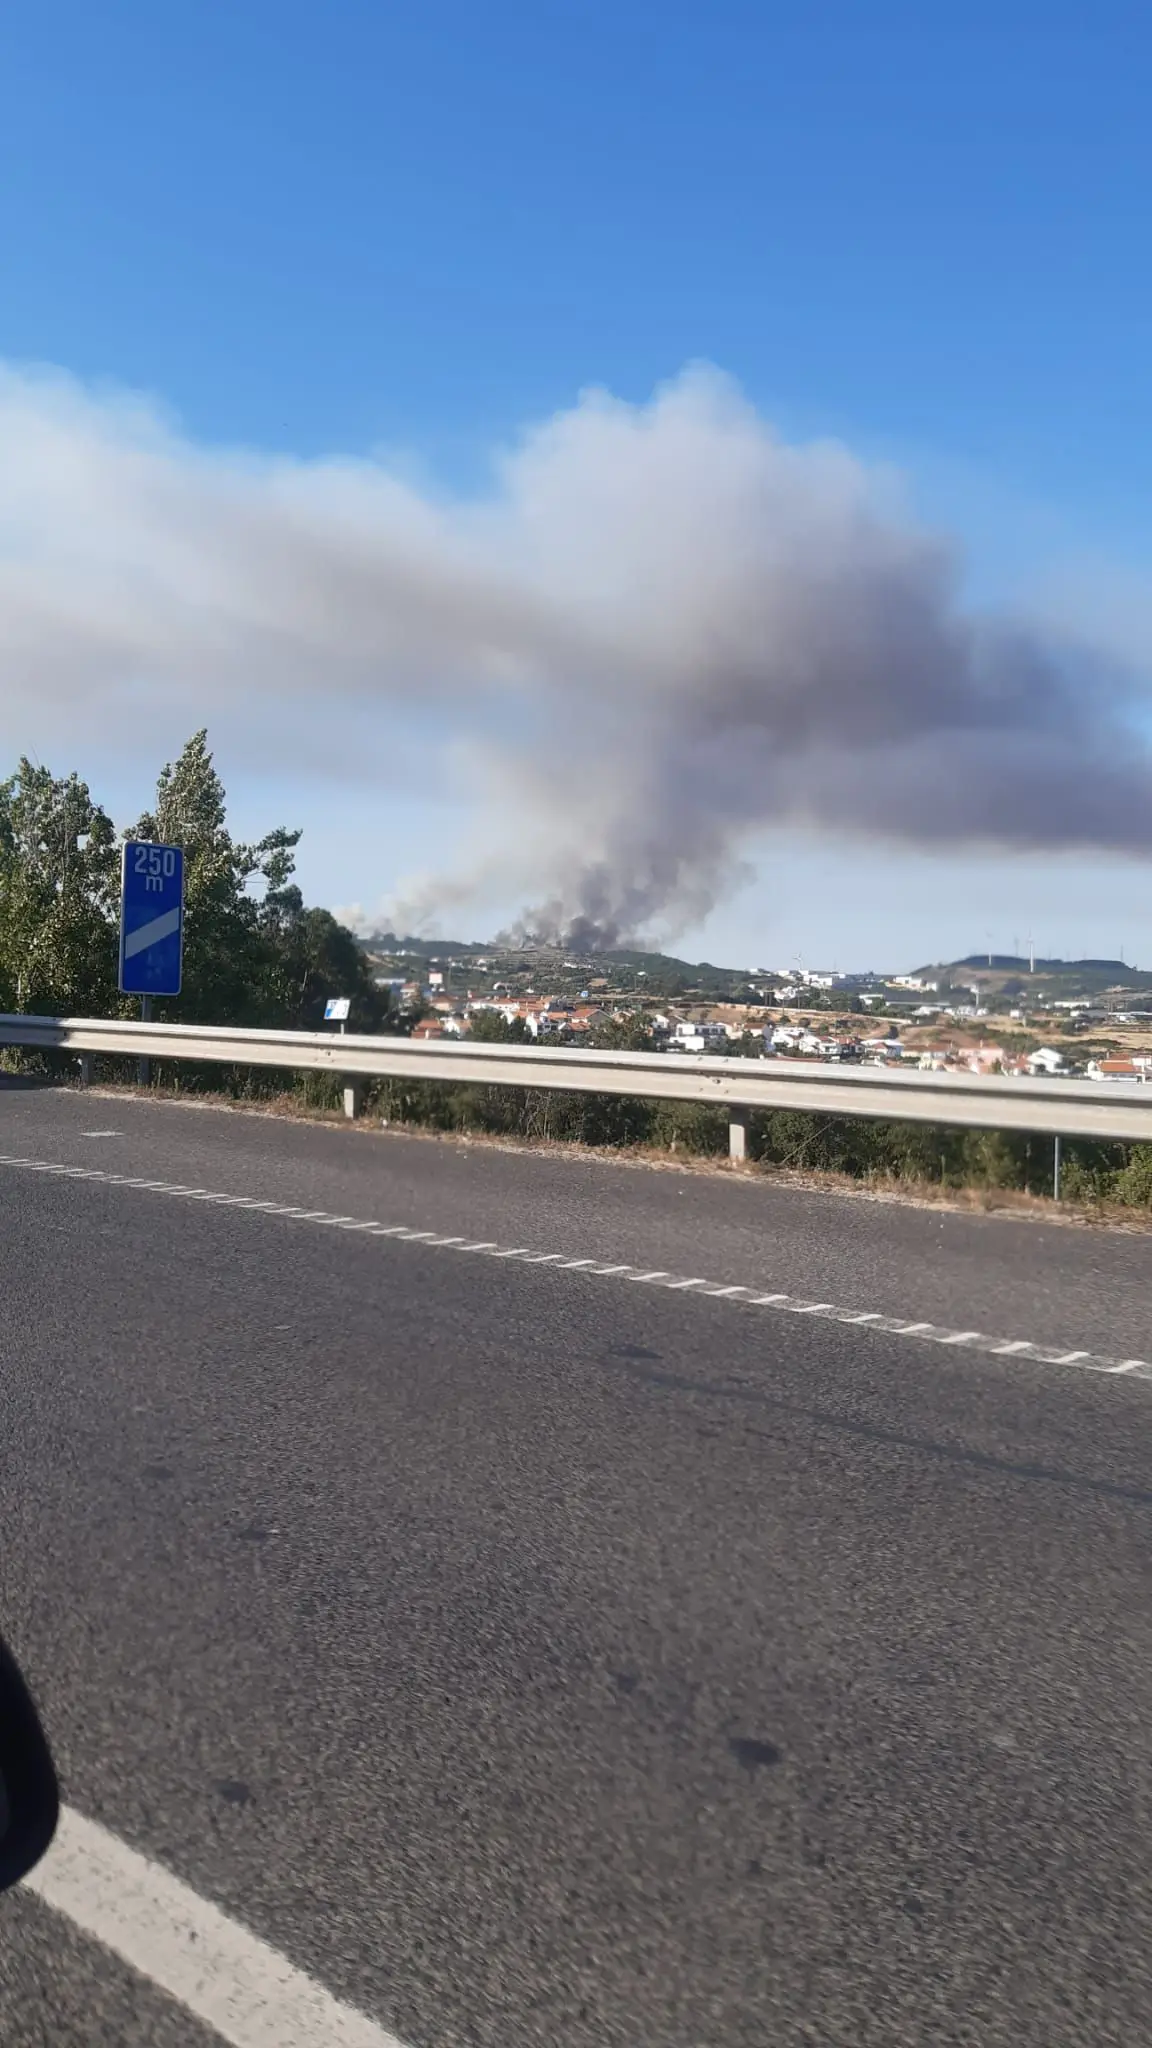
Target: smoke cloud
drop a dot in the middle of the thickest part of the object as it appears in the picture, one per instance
(661, 631)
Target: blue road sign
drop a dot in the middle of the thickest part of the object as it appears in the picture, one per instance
(151, 919)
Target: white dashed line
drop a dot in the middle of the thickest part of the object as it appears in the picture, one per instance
(786, 1304)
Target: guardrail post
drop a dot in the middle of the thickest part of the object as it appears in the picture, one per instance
(86, 1069)
(737, 1132)
(144, 1066)
(353, 1098)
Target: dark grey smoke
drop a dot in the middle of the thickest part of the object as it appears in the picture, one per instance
(664, 633)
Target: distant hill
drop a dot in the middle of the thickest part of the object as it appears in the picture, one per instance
(1011, 973)
(1013, 963)
(663, 973)
(428, 949)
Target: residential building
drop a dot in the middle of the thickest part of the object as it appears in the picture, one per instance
(690, 1036)
(1046, 1060)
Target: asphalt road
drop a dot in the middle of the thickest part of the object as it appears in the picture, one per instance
(534, 1657)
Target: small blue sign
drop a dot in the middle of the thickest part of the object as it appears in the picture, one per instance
(151, 919)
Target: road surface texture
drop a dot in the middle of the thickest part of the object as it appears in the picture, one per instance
(539, 1657)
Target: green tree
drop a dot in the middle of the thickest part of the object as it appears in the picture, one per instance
(628, 1033)
(316, 957)
(59, 873)
(749, 1046)
(488, 1027)
(235, 896)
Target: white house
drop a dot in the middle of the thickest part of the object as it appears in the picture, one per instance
(1046, 1060)
(690, 1037)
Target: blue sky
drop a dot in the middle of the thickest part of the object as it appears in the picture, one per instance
(415, 228)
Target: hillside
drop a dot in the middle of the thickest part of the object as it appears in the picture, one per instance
(1052, 980)
(661, 974)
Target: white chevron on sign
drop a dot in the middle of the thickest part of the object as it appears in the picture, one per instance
(150, 934)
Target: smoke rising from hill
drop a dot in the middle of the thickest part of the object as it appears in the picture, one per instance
(663, 631)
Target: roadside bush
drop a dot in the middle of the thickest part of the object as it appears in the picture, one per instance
(689, 1127)
(794, 1140)
(1133, 1184)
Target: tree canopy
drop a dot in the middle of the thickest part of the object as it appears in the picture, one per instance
(254, 953)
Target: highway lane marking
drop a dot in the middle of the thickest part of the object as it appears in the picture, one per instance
(214, 1967)
(745, 1297)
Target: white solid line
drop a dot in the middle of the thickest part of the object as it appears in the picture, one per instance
(659, 1274)
(225, 1976)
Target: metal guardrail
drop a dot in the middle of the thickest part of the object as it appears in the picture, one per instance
(1044, 1106)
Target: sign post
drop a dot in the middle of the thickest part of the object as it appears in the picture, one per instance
(151, 925)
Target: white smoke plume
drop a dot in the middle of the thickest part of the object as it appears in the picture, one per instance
(662, 630)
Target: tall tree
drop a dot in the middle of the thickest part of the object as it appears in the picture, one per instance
(253, 953)
(316, 957)
(230, 966)
(59, 870)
